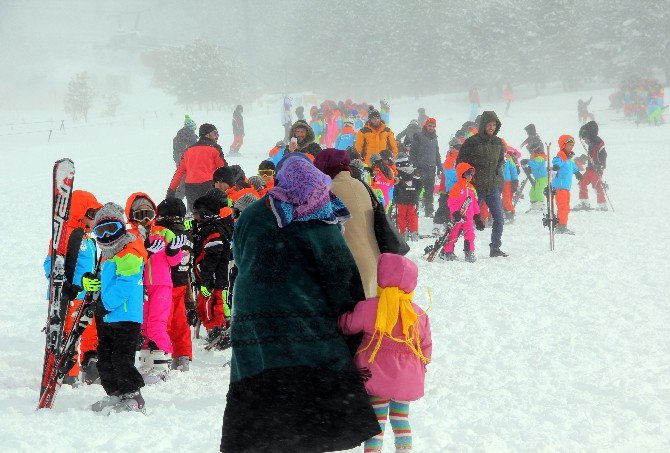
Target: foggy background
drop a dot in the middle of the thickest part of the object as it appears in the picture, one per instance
(226, 52)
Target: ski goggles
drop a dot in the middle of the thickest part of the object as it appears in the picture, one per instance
(90, 213)
(108, 229)
(469, 172)
(266, 173)
(144, 215)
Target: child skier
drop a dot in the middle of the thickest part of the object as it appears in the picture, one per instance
(347, 135)
(462, 191)
(449, 178)
(565, 168)
(511, 180)
(80, 245)
(533, 141)
(211, 251)
(537, 167)
(383, 178)
(163, 252)
(118, 310)
(597, 155)
(406, 196)
(395, 350)
(171, 213)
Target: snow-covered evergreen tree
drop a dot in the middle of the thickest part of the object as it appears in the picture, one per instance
(79, 97)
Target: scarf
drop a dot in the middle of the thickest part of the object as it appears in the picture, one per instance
(394, 305)
(108, 251)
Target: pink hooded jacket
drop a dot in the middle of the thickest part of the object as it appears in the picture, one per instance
(396, 372)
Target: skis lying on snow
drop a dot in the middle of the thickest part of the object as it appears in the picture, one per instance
(549, 219)
(222, 341)
(63, 178)
(433, 250)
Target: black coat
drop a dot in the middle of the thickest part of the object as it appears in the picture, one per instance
(487, 154)
(407, 189)
(211, 251)
(425, 152)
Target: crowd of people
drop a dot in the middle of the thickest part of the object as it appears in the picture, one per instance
(327, 342)
(642, 100)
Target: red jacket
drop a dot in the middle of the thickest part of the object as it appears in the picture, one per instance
(198, 164)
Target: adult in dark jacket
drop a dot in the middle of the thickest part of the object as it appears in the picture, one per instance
(197, 165)
(305, 139)
(408, 134)
(185, 137)
(425, 155)
(238, 130)
(293, 383)
(486, 152)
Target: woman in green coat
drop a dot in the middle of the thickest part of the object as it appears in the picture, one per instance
(293, 384)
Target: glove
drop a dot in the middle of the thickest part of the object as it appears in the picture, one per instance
(478, 222)
(188, 224)
(155, 247)
(70, 291)
(176, 245)
(456, 216)
(555, 167)
(605, 186)
(579, 176)
(191, 313)
(90, 282)
(170, 194)
(205, 291)
(99, 309)
(600, 171)
(515, 185)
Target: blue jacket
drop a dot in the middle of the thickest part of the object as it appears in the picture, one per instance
(86, 260)
(566, 168)
(538, 166)
(122, 286)
(344, 141)
(277, 157)
(510, 172)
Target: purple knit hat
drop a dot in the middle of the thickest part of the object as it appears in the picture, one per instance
(331, 161)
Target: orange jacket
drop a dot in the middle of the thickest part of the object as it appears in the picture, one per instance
(81, 202)
(234, 193)
(197, 164)
(370, 140)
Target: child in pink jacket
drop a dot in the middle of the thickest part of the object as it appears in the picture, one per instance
(395, 350)
(462, 193)
(164, 250)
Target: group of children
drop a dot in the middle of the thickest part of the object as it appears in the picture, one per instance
(642, 99)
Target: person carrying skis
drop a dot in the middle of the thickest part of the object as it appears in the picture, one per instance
(81, 258)
(238, 131)
(163, 252)
(466, 221)
(118, 310)
(198, 164)
(486, 153)
(170, 215)
(597, 155)
(537, 167)
(406, 196)
(211, 252)
(395, 350)
(562, 182)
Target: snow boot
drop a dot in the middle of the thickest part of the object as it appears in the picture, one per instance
(563, 229)
(414, 237)
(602, 207)
(509, 217)
(130, 402)
(89, 372)
(582, 206)
(405, 236)
(470, 257)
(108, 401)
(495, 253)
(450, 256)
(159, 367)
(181, 363)
(72, 381)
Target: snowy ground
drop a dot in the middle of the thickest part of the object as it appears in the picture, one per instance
(545, 351)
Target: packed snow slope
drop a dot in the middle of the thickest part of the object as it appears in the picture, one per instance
(564, 350)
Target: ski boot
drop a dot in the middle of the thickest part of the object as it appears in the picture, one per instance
(159, 367)
(107, 401)
(602, 207)
(495, 253)
(89, 372)
(72, 381)
(563, 229)
(509, 217)
(405, 236)
(582, 206)
(130, 402)
(449, 256)
(470, 257)
(181, 363)
(414, 237)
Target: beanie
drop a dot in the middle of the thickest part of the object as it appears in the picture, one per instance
(171, 207)
(188, 122)
(430, 121)
(530, 129)
(374, 114)
(209, 204)
(110, 212)
(224, 174)
(257, 182)
(205, 129)
(244, 201)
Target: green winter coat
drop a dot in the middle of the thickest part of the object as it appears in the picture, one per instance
(293, 284)
(485, 153)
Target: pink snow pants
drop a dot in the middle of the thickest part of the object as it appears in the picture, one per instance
(468, 230)
(157, 310)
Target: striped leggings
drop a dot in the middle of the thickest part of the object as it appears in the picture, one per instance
(399, 415)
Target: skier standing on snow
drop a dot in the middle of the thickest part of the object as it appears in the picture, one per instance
(198, 164)
(118, 310)
(565, 168)
(406, 197)
(486, 153)
(533, 141)
(286, 118)
(425, 155)
(374, 137)
(238, 131)
(396, 348)
(185, 137)
(537, 167)
(593, 175)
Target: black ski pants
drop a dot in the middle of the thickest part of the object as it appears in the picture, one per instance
(117, 343)
(195, 191)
